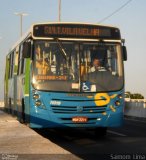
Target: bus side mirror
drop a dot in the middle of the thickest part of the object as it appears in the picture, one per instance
(26, 49)
(124, 51)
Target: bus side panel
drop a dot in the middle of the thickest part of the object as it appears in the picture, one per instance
(20, 95)
(9, 89)
(23, 83)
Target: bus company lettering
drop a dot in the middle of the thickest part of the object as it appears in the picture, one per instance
(71, 31)
(56, 103)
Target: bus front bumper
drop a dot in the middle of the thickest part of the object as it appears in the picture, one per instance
(44, 119)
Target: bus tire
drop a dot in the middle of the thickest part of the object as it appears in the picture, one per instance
(100, 132)
(22, 118)
(10, 106)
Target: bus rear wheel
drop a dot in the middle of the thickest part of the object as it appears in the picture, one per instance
(100, 132)
(10, 106)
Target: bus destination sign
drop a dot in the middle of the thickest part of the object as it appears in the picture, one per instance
(75, 31)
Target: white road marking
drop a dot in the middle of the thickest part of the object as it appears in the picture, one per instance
(116, 133)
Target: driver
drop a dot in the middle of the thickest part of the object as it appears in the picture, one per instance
(96, 66)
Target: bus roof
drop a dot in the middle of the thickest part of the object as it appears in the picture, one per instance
(84, 23)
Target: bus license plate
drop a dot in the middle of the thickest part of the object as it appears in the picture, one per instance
(79, 119)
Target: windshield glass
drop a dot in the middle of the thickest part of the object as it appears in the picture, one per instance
(77, 67)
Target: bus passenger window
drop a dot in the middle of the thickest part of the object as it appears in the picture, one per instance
(11, 65)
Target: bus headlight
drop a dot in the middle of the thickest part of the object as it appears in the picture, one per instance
(38, 103)
(36, 96)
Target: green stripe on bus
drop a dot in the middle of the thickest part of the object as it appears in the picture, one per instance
(27, 75)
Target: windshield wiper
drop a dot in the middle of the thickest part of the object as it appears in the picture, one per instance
(61, 48)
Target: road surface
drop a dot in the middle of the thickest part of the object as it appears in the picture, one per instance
(18, 141)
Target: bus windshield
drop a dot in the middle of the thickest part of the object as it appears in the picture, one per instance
(77, 66)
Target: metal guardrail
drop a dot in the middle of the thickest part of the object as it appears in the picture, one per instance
(135, 108)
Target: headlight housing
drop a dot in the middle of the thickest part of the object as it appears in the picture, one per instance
(36, 96)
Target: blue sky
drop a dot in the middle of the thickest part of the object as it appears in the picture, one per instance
(131, 21)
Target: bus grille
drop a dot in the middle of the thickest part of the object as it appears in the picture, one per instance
(78, 109)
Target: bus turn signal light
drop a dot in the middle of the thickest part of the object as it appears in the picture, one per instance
(117, 103)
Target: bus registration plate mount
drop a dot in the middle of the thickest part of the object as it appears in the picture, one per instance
(79, 119)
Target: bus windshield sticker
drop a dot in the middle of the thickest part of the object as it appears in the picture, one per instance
(75, 86)
(93, 88)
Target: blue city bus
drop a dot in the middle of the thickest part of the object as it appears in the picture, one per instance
(53, 81)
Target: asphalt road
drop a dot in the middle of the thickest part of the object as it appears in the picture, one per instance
(127, 142)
